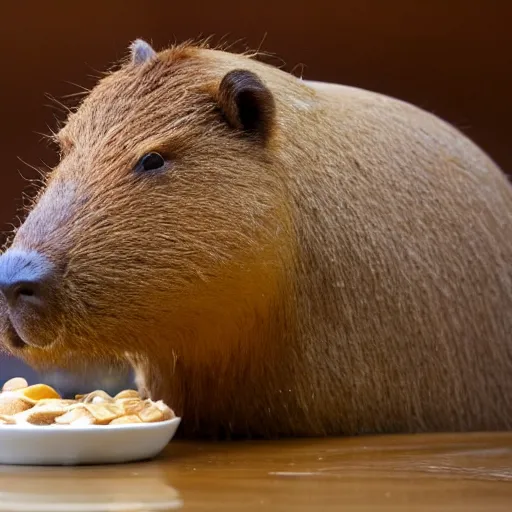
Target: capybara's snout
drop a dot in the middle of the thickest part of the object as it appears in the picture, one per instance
(26, 282)
(24, 278)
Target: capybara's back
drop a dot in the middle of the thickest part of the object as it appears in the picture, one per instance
(274, 257)
(405, 231)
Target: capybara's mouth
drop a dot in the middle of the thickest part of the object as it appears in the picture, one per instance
(12, 337)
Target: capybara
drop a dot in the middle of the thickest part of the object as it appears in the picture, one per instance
(274, 257)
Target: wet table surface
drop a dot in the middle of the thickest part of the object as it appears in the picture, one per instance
(468, 472)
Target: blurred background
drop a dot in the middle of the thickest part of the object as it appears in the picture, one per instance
(450, 57)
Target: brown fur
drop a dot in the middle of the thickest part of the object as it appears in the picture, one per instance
(351, 273)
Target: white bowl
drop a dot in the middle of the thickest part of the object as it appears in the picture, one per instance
(59, 445)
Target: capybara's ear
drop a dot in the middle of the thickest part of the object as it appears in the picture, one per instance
(247, 103)
(141, 52)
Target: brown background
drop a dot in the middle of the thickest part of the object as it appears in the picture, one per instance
(451, 57)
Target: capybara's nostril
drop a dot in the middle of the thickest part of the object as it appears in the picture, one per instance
(24, 277)
(13, 291)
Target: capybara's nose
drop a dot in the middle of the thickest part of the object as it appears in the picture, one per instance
(24, 277)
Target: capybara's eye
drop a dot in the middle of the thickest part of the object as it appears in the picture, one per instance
(150, 162)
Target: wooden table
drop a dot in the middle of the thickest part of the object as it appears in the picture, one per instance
(471, 472)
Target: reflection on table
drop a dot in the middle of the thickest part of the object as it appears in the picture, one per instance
(420, 473)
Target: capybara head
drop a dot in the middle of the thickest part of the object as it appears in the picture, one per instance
(161, 218)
